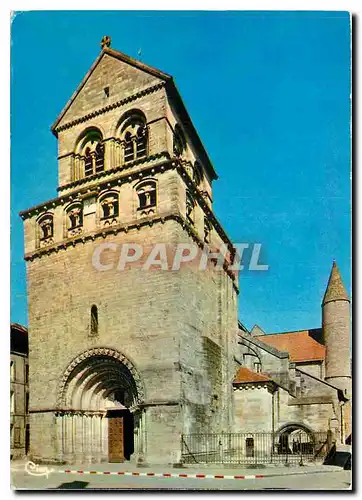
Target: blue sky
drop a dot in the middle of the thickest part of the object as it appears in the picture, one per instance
(268, 92)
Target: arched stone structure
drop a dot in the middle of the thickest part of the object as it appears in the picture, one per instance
(294, 438)
(99, 389)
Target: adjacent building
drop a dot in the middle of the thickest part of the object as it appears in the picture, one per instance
(19, 391)
(298, 381)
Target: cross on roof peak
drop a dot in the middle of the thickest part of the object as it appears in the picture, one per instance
(106, 41)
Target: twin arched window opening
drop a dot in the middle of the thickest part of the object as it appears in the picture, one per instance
(94, 160)
(92, 151)
(134, 136)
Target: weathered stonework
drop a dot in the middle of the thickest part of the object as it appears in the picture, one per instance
(157, 348)
(169, 333)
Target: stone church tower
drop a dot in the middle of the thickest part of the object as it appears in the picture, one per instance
(123, 361)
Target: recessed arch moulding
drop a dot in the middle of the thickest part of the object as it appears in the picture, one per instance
(96, 382)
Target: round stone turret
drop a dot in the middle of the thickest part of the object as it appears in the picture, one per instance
(336, 332)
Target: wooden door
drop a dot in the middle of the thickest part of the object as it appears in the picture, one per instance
(115, 439)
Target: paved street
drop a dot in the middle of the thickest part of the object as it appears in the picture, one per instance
(311, 478)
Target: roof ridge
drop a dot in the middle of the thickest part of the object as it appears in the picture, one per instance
(305, 330)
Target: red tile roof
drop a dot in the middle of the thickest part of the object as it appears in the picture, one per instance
(300, 345)
(246, 375)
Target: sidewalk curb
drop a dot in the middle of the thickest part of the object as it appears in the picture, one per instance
(191, 476)
(163, 474)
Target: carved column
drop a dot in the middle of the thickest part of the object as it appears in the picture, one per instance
(74, 444)
(76, 168)
(108, 154)
(78, 436)
(105, 439)
(117, 153)
(58, 425)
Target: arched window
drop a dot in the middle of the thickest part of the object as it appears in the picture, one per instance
(146, 192)
(94, 321)
(46, 227)
(109, 206)
(133, 133)
(75, 217)
(91, 150)
(190, 205)
(179, 141)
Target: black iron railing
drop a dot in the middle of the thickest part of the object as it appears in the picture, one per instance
(254, 448)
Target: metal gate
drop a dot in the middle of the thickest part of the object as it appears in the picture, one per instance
(286, 448)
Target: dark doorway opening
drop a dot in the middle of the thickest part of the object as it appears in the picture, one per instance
(120, 435)
(27, 438)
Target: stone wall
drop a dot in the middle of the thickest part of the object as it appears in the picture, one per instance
(253, 408)
(18, 410)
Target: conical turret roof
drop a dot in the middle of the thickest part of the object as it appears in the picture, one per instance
(335, 288)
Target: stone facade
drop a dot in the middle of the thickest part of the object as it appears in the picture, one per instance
(155, 352)
(170, 333)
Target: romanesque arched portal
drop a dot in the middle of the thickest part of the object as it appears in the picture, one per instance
(99, 416)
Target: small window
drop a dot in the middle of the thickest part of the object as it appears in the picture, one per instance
(26, 374)
(109, 206)
(190, 205)
(207, 230)
(146, 195)
(75, 217)
(27, 402)
(12, 370)
(249, 445)
(46, 227)
(198, 174)
(94, 321)
(12, 402)
(257, 367)
(179, 141)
